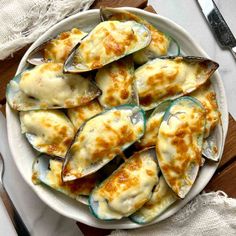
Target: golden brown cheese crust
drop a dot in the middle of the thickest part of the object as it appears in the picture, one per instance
(113, 138)
(162, 198)
(129, 187)
(108, 42)
(101, 143)
(54, 132)
(116, 82)
(82, 186)
(177, 146)
(162, 79)
(122, 179)
(79, 115)
(159, 43)
(57, 50)
(206, 95)
(52, 88)
(150, 136)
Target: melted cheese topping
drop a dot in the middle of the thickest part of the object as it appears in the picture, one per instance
(161, 79)
(161, 199)
(158, 46)
(159, 43)
(52, 88)
(128, 188)
(179, 145)
(79, 115)
(57, 50)
(206, 95)
(52, 131)
(109, 41)
(74, 188)
(150, 136)
(116, 81)
(100, 140)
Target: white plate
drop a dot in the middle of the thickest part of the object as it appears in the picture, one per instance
(24, 155)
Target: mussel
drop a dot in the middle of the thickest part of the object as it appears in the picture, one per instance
(127, 189)
(78, 115)
(57, 49)
(48, 172)
(102, 138)
(179, 143)
(153, 123)
(48, 131)
(107, 42)
(161, 44)
(47, 87)
(213, 130)
(171, 77)
(116, 81)
(162, 198)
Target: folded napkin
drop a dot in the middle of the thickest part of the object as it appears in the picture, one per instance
(22, 22)
(209, 214)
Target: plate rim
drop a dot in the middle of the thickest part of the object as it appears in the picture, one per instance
(10, 116)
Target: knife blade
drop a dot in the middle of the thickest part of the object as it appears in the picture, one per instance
(218, 25)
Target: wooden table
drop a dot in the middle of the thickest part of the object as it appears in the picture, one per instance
(225, 176)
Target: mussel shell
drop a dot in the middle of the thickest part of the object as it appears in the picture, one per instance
(56, 49)
(153, 123)
(162, 198)
(48, 172)
(95, 145)
(213, 132)
(48, 131)
(160, 43)
(127, 189)
(213, 145)
(78, 115)
(46, 87)
(179, 143)
(206, 95)
(116, 81)
(107, 42)
(171, 77)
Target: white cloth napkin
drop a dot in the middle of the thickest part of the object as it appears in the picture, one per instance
(209, 214)
(22, 22)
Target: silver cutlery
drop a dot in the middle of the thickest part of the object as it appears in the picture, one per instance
(218, 25)
(13, 213)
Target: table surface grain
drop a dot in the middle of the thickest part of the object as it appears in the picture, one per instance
(225, 176)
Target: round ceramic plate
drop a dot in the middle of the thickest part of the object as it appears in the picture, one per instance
(23, 154)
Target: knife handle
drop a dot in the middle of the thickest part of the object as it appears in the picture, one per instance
(13, 213)
(233, 50)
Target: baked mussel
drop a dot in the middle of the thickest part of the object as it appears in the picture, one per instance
(179, 143)
(161, 44)
(48, 131)
(107, 42)
(127, 189)
(171, 77)
(56, 49)
(102, 138)
(47, 87)
(48, 172)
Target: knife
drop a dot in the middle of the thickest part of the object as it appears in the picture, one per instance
(218, 25)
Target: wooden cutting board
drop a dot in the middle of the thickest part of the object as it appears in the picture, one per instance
(225, 177)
